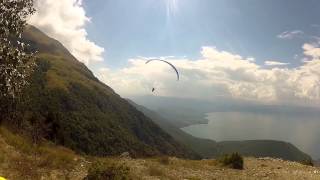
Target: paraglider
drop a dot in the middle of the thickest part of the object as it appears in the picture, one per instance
(174, 68)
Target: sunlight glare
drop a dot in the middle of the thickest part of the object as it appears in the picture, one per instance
(172, 7)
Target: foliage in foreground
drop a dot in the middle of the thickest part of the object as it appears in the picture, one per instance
(16, 62)
(233, 160)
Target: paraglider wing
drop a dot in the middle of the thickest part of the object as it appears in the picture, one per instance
(175, 69)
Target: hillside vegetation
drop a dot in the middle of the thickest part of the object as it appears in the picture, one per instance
(19, 160)
(264, 148)
(65, 103)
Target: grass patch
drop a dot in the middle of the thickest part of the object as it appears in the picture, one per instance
(17, 141)
(25, 168)
(156, 171)
(34, 161)
(233, 160)
(58, 157)
(164, 160)
(106, 170)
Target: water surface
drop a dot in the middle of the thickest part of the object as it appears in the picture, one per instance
(301, 130)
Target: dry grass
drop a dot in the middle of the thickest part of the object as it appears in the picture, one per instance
(193, 178)
(17, 141)
(2, 157)
(22, 160)
(164, 160)
(106, 169)
(57, 157)
(24, 168)
(54, 162)
(156, 171)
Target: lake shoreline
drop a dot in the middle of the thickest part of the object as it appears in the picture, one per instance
(242, 126)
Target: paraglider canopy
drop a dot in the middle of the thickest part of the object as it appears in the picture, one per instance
(174, 68)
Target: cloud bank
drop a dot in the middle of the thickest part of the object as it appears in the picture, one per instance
(65, 21)
(221, 73)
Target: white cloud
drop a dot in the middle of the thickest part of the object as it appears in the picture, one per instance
(218, 73)
(290, 34)
(65, 21)
(311, 50)
(275, 63)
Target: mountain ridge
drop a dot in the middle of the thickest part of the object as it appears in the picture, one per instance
(78, 111)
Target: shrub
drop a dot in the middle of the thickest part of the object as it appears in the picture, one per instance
(307, 162)
(233, 160)
(101, 170)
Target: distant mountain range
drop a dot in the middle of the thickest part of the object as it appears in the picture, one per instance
(209, 148)
(184, 111)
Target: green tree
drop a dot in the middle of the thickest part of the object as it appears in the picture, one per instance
(16, 62)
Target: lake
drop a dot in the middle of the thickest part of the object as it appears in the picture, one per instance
(299, 129)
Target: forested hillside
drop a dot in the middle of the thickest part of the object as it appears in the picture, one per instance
(68, 105)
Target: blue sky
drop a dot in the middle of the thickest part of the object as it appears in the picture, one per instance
(267, 51)
(128, 29)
